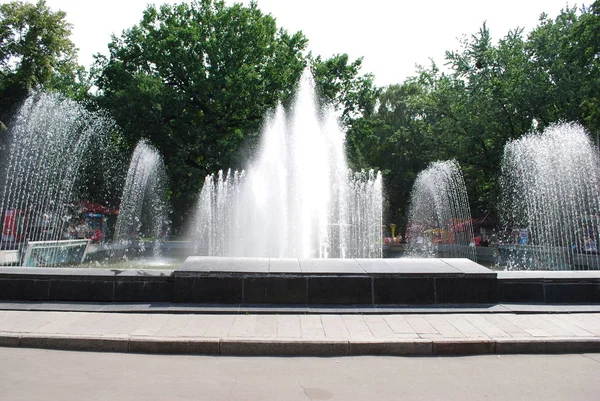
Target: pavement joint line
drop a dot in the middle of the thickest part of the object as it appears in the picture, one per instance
(301, 347)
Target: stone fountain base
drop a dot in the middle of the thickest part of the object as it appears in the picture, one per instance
(249, 281)
(333, 281)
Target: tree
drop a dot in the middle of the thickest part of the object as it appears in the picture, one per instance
(340, 84)
(35, 53)
(566, 50)
(396, 144)
(196, 80)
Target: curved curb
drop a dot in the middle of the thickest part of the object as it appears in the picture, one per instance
(295, 347)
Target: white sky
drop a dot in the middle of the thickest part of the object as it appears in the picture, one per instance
(392, 36)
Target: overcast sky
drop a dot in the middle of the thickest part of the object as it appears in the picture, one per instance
(392, 35)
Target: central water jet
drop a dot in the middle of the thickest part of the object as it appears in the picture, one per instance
(297, 198)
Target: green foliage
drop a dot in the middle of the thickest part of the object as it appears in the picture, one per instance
(340, 84)
(196, 79)
(566, 50)
(492, 93)
(35, 52)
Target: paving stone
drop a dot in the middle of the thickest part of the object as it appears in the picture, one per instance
(220, 326)
(595, 357)
(86, 323)
(432, 336)
(284, 265)
(533, 325)
(405, 336)
(173, 326)
(311, 326)
(225, 264)
(420, 325)
(196, 326)
(585, 321)
(467, 266)
(486, 327)
(13, 321)
(357, 327)
(330, 266)
(151, 326)
(7, 315)
(111, 323)
(421, 266)
(504, 325)
(288, 326)
(125, 326)
(538, 333)
(266, 326)
(399, 325)
(445, 328)
(465, 327)
(243, 326)
(59, 322)
(560, 321)
(551, 328)
(29, 324)
(299, 334)
(334, 326)
(379, 327)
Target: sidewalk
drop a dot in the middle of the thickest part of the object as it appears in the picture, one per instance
(303, 334)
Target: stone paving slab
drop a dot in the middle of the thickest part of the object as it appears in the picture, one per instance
(413, 266)
(303, 334)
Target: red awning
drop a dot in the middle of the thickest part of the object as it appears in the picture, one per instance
(91, 207)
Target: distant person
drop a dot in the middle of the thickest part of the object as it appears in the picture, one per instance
(589, 245)
(8, 237)
(81, 230)
(71, 232)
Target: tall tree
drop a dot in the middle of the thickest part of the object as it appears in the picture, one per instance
(566, 50)
(196, 79)
(340, 83)
(36, 52)
(492, 93)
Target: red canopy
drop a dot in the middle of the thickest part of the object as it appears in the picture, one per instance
(90, 207)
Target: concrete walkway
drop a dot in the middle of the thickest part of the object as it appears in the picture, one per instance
(42, 375)
(303, 334)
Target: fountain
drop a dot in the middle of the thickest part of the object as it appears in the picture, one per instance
(58, 152)
(143, 211)
(49, 140)
(551, 200)
(439, 223)
(297, 198)
(308, 229)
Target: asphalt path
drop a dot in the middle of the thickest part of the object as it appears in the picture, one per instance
(37, 374)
